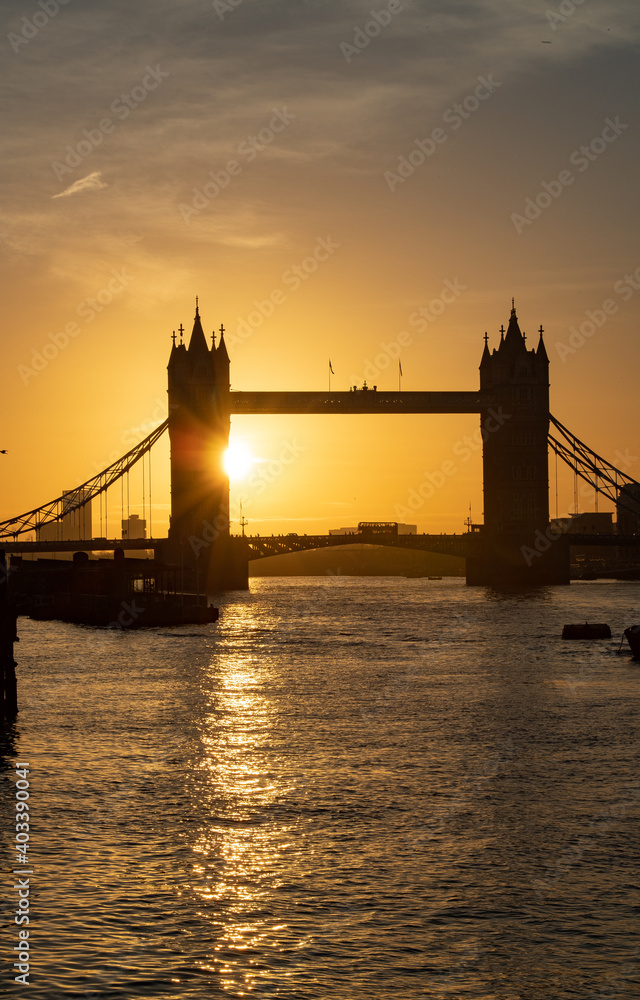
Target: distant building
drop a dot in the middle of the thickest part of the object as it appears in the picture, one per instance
(74, 525)
(589, 522)
(134, 527)
(592, 558)
(628, 510)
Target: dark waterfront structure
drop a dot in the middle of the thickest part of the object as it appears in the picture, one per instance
(8, 635)
(628, 510)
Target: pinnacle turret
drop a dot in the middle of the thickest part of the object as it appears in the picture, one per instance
(541, 352)
(512, 359)
(198, 342)
(486, 354)
(514, 341)
(222, 355)
(199, 361)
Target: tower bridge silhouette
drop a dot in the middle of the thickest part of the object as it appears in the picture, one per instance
(515, 544)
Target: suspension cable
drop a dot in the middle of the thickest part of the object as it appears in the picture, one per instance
(87, 491)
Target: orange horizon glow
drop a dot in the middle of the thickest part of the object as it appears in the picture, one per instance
(345, 235)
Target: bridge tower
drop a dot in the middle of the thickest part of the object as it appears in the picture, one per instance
(514, 546)
(199, 422)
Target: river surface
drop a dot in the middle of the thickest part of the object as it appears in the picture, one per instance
(346, 788)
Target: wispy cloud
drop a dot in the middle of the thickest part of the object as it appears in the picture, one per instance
(92, 182)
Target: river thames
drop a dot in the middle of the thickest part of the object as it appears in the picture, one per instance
(347, 788)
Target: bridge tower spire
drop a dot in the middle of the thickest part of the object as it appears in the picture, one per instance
(199, 422)
(515, 428)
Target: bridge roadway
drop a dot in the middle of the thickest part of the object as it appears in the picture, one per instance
(275, 545)
(453, 545)
(360, 401)
(261, 546)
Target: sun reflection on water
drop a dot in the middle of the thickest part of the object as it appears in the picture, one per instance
(241, 845)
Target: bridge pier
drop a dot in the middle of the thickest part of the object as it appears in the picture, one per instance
(519, 560)
(227, 567)
(208, 567)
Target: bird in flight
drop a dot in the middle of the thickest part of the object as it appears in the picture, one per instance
(3, 451)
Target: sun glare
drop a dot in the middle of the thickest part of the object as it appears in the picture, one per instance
(238, 461)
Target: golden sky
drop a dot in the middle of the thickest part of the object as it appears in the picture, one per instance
(317, 175)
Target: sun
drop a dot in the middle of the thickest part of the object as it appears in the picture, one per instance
(238, 461)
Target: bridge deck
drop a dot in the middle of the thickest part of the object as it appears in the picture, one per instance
(360, 401)
(274, 545)
(16, 547)
(268, 545)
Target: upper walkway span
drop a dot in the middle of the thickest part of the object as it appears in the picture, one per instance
(360, 401)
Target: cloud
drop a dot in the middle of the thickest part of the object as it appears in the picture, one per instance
(92, 182)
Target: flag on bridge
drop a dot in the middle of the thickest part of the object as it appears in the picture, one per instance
(330, 368)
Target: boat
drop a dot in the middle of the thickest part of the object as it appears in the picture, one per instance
(587, 630)
(633, 638)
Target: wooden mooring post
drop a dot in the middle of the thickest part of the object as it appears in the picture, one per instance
(8, 635)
